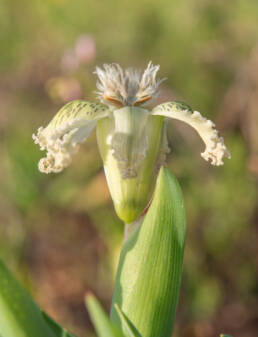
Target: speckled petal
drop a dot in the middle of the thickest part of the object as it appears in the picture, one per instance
(70, 127)
(215, 149)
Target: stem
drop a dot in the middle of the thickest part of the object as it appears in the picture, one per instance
(131, 228)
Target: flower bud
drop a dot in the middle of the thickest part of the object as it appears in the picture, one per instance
(130, 142)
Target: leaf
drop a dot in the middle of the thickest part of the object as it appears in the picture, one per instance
(19, 315)
(100, 319)
(223, 335)
(55, 327)
(127, 325)
(150, 267)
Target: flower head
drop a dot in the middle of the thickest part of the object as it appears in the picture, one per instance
(127, 87)
(132, 139)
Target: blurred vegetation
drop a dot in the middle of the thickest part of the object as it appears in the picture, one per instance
(59, 233)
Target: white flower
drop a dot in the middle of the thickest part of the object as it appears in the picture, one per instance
(132, 139)
(129, 87)
(71, 126)
(215, 149)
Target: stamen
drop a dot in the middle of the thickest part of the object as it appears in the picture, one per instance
(143, 100)
(127, 87)
(113, 100)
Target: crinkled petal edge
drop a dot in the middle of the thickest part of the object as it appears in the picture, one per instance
(215, 149)
(60, 145)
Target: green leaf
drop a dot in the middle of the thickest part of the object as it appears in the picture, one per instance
(19, 315)
(127, 325)
(55, 327)
(149, 272)
(100, 319)
(223, 335)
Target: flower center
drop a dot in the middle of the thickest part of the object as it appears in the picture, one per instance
(127, 87)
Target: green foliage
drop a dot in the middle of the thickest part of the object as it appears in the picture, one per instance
(20, 317)
(150, 267)
(103, 326)
(55, 327)
(128, 328)
(202, 47)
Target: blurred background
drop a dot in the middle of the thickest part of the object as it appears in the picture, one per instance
(59, 233)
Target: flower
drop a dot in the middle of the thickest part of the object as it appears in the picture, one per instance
(131, 138)
(129, 87)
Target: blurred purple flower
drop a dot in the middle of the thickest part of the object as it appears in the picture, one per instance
(83, 52)
(69, 61)
(85, 49)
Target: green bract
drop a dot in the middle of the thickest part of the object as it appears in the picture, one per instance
(131, 138)
(149, 272)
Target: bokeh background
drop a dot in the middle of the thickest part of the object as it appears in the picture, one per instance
(59, 233)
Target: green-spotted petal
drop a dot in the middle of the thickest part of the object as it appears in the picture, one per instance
(129, 140)
(215, 148)
(71, 126)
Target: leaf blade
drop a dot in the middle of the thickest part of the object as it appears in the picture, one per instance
(127, 325)
(20, 316)
(57, 329)
(100, 320)
(150, 266)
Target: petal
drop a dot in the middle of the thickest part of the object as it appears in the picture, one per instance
(129, 139)
(130, 142)
(70, 126)
(215, 148)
